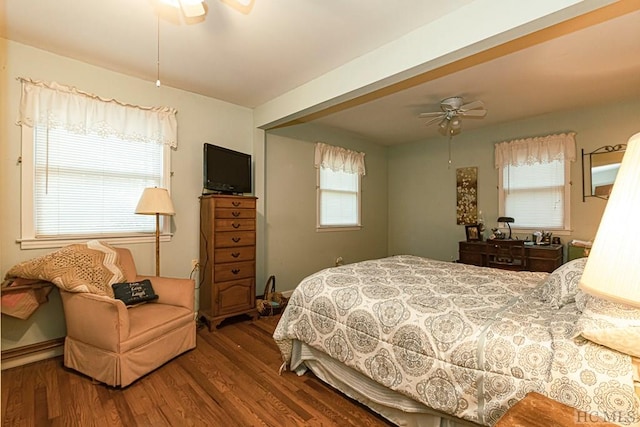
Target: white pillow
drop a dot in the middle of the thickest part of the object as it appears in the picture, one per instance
(611, 324)
(561, 286)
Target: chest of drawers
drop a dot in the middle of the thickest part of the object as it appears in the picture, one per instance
(227, 257)
(537, 258)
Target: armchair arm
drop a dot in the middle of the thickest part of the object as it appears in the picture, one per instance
(173, 291)
(96, 320)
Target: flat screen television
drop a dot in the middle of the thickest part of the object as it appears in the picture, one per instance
(225, 171)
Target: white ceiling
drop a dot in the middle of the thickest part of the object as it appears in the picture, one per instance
(281, 44)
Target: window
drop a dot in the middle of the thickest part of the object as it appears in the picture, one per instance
(338, 188)
(80, 180)
(339, 203)
(534, 184)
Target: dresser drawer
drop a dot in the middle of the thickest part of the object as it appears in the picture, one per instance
(235, 224)
(469, 247)
(233, 271)
(235, 213)
(243, 253)
(230, 239)
(237, 203)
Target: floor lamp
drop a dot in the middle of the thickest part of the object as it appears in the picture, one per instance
(156, 201)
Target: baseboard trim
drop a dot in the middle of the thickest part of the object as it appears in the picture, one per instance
(32, 353)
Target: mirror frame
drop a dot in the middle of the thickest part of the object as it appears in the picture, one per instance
(587, 171)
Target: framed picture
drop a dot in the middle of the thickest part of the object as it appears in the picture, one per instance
(473, 232)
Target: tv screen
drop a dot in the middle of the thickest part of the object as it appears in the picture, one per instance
(226, 171)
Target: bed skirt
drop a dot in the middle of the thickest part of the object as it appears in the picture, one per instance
(397, 408)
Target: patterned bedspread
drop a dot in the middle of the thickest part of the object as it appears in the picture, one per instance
(464, 340)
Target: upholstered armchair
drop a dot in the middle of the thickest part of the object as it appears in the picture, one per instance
(116, 344)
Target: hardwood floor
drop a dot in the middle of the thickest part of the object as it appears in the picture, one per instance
(230, 379)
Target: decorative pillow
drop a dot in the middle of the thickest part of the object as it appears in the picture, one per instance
(561, 286)
(611, 324)
(134, 292)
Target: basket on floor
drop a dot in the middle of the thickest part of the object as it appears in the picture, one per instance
(272, 302)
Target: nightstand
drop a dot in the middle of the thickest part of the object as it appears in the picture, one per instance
(536, 410)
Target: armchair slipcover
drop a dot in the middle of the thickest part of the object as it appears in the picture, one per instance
(116, 345)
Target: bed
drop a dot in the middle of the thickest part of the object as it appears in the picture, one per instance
(426, 342)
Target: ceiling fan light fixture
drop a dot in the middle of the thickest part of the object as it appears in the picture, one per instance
(192, 8)
(242, 6)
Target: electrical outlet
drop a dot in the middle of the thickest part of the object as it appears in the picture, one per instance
(195, 264)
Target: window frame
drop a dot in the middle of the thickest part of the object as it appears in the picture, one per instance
(28, 239)
(566, 228)
(334, 227)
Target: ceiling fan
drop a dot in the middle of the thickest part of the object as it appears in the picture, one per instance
(453, 110)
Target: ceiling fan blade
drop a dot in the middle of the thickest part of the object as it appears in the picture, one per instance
(435, 119)
(474, 105)
(432, 114)
(474, 113)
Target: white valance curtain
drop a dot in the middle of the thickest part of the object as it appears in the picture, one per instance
(543, 149)
(58, 106)
(339, 159)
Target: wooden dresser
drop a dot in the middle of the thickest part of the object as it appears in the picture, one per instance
(227, 257)
(537, 258)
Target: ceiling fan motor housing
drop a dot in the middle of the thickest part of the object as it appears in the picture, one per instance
(452, 103)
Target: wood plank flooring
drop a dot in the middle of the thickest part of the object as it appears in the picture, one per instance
(230, 379)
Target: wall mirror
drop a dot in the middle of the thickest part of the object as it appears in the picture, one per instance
(599, 170)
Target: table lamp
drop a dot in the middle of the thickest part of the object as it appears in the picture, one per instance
(506, 220)
(612, 271)
(155, 201)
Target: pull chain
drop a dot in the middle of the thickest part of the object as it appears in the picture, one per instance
(158, 63)
(450, 138)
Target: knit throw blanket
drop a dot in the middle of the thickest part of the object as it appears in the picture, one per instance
(92, 267)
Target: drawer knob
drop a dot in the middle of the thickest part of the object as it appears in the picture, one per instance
(235, 239)
(236, 204)
(235, 271)
(235, 254)
(234, 225)
(235, 213)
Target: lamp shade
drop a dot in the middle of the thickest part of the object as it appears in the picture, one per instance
(506, 219)
(612, 271)
(155, 201)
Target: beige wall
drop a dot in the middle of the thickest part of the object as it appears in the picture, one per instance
(294, 248)
(200, 119)
(422, 189)
(408, 192)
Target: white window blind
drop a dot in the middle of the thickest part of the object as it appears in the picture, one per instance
(90, 185)
(534, 195)
(338, 198)
(534, 185)
(339, 172)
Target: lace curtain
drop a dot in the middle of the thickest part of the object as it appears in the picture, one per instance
(339, 159)
(543, 149)
(58, 106)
